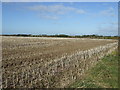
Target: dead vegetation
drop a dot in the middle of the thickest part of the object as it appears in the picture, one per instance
(49, 62)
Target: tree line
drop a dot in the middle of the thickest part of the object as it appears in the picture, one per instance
(66, 36)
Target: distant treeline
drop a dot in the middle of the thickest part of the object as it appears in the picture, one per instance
(67, 36)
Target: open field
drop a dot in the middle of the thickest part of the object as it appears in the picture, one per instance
(43, 62)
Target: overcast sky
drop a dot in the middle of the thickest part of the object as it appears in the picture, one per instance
(60, 18)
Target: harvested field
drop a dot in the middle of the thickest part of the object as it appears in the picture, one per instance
(29, 61)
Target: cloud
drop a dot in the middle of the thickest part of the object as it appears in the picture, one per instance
(80, 11)
(114, 23)
(56, 9)
(108, 29)
(108, 12)
(111, 30)
(45, 16)
(109, 23)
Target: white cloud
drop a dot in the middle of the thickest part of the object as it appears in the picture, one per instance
(114, 23)
(45, 16)
(108, 31)
(108, 12)
(110, 28)
(80, 11)
(109, 23)
(56, 9)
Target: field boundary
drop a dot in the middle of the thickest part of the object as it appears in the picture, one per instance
(103, 75)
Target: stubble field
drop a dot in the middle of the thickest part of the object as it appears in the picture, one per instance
(23, 57)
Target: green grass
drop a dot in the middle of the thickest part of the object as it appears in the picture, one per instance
(103, 75)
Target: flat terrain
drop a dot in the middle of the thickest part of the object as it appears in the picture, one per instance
(20, 50)
(23, 52)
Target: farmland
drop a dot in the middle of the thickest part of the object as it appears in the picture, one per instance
(103, 75)
(49, 62)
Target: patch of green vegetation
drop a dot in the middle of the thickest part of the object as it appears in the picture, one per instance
(103, 75)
